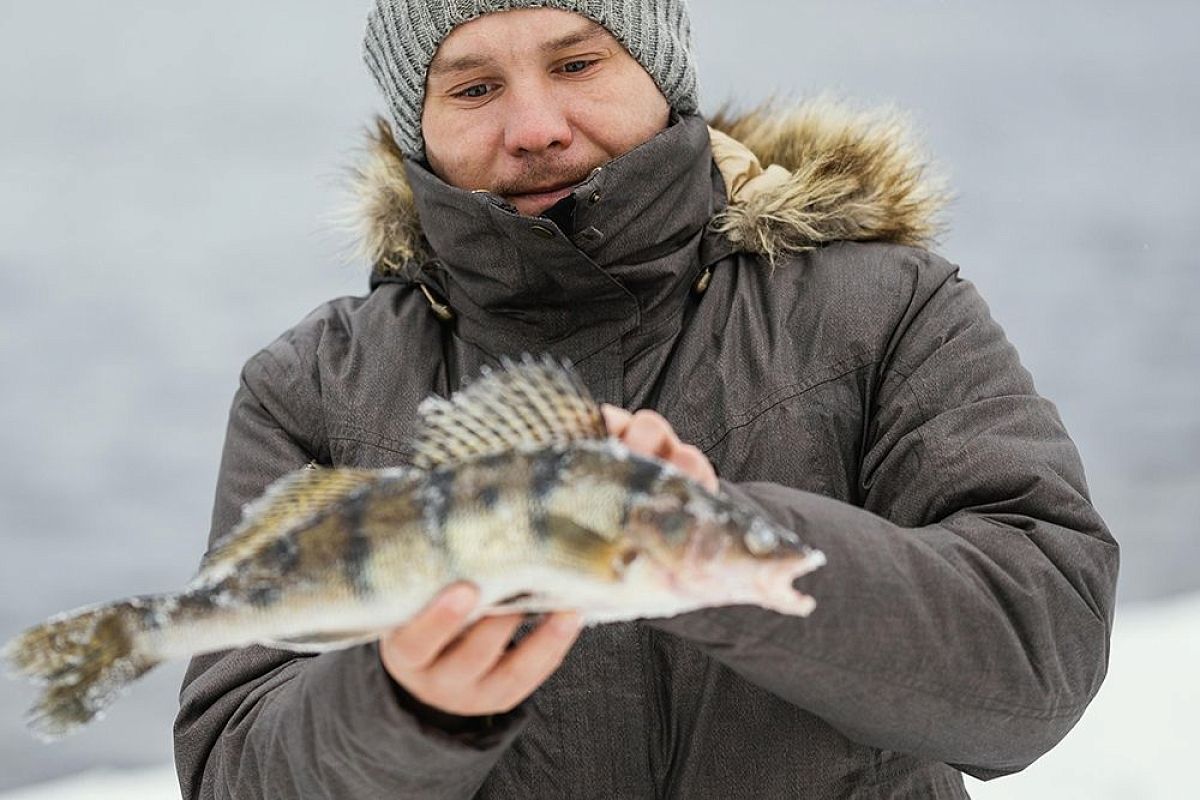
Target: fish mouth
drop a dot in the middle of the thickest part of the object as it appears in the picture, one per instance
(775, 581)
(718, 581)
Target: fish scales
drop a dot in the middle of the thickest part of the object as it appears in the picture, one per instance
(517, 488)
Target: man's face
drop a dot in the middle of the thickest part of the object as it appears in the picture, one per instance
(526, 103)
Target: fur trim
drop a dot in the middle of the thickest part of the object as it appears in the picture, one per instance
(387, 223)
(852, 176)
(835, 174)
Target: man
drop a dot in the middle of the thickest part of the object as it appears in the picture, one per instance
(547, 186)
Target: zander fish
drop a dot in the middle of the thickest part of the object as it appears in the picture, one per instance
(516, 487)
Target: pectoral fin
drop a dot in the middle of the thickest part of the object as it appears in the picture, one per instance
(581, 548)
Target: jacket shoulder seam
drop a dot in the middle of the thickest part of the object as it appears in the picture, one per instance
(315, 443)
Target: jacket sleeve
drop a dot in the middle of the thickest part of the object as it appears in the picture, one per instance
(965, 610)
(263, 723)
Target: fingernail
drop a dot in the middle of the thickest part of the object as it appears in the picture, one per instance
(459, 600)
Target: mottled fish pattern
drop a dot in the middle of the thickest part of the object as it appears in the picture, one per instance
(515, 486)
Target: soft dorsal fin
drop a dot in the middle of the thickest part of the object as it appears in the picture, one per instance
(526, 404)
(289, 501)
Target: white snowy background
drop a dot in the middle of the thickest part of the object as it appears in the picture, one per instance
(167, 176)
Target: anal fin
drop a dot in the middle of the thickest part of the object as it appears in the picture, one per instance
(322, 642)
(520, 603)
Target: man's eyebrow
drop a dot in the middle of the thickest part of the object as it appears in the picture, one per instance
(592, 31)
(445, 66)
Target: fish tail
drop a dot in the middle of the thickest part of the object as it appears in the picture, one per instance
(83, 659)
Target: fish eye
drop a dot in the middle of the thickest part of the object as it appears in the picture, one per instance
(761, 541)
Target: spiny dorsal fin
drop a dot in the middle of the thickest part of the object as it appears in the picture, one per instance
(533, 403)
(289, 501)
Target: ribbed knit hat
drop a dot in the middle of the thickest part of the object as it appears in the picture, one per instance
(403, 36)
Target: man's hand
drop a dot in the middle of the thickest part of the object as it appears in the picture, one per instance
(647, 433)
(472, 672)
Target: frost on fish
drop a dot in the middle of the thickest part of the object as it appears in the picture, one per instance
(516, 487)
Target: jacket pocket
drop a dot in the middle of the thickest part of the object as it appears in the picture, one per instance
(811, 441)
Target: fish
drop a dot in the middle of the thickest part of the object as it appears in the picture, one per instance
(514, 484)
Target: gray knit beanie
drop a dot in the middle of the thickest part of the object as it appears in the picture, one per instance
(403, 36)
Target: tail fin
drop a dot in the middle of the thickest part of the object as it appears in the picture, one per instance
(84, 659)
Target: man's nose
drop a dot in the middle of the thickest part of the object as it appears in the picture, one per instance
(537, 122)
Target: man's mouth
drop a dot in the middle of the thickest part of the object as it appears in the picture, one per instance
(543, 198)
(534, 200)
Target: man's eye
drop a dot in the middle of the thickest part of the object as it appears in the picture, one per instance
(475, 92)
(572, 67)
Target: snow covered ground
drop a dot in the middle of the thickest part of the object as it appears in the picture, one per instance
(157, 783)
(1129, 745)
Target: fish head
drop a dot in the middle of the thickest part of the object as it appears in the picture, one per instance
(709, 550)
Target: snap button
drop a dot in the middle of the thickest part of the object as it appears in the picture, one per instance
(595, 198)
(542, 231)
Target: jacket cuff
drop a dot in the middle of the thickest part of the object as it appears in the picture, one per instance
(480, 733)
(352, 688)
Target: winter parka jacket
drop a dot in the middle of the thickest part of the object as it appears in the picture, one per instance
(842, 379)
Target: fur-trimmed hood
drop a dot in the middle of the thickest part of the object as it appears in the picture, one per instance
(832, 174)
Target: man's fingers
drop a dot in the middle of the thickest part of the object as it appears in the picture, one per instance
(616, 420)
(526, 666)
(689, 459)
(478, 649)
(419, 642)
(650, 434)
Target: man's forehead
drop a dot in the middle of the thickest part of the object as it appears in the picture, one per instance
(461, 53)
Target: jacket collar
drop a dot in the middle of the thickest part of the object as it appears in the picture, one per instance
(627, 246)
(832, 173)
